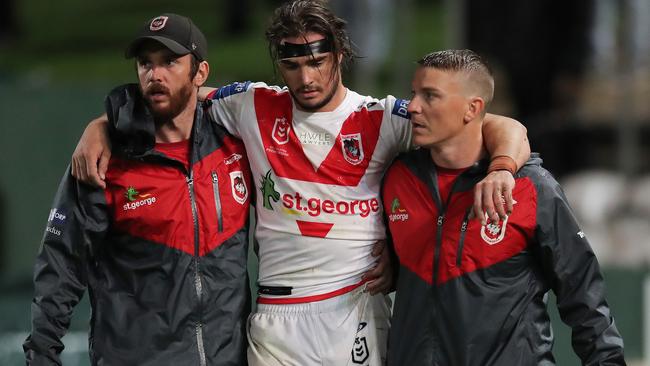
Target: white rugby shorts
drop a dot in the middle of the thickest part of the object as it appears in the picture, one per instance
(351, 329)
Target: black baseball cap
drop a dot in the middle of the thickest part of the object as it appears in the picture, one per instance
(175, 32)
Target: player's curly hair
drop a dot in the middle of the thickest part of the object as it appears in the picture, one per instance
(299, 17)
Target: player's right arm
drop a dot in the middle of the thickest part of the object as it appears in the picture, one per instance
(90, 158)
(78, 217)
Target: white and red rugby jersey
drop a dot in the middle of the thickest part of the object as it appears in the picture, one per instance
(317, 178)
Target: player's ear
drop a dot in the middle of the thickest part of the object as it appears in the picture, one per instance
(474, 110)
(202, 74)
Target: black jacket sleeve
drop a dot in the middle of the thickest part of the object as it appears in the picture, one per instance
(571, 267)
(77, 220)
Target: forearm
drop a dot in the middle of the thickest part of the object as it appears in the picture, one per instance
(505, 136)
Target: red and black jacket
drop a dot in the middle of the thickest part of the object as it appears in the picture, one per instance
(476, 295)
(162, 250)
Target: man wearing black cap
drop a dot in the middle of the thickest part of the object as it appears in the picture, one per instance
(162, 249)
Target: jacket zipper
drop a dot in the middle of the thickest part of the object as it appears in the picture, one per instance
(439, 222)
(436, 253)
(436, 258)
(461, 242)
(197, 275)
(217, 200)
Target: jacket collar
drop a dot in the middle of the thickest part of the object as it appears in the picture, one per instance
(131, 125)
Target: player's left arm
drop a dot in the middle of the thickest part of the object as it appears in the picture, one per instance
(572, 270)
(506, 141)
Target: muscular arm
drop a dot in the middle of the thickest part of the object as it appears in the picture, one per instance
(506, 136)
(93, 151)
(503, 136)
(91, 156)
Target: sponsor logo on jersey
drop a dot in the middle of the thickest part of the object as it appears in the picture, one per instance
(352, 148)
(56, 215)
(135, 199)
(231, 89)
(297, 204)
(158, 23)
(400, 108)
(397, 213)
(281, 131)
(238, 185)
(267, 187)
(313, 206)
(232, 158)
(316, 138)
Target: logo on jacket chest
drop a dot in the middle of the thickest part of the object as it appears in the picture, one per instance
(397, 213)
(238, 186)
(494, 232)
(135, 199)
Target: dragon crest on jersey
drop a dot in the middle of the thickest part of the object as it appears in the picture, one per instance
(281, 131)
(238, 186)
(352, 148)
(493, 233)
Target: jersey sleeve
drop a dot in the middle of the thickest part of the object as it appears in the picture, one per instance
(570, 266)
(226, 105)
(78, 217)
(397, 124)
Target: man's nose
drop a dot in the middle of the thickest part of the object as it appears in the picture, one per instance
(306, 76)
(414, 106)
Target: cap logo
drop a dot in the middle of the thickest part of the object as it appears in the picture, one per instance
(193, 46)
(158, 23)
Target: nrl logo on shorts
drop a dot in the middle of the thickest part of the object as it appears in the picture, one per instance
(238, 186)
(493, 233)
(360, 352)
(281, 130)
(352, 148)
(158, 23)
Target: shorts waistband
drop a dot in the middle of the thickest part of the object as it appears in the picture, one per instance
(346, 300)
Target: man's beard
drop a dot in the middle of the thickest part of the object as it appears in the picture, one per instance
(317, 106)
(177, 102)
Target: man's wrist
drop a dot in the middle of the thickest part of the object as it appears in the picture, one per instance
(503, 162)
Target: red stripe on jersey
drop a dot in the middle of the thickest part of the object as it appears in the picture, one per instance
(305, 299)
(316, 229)
(284, 150)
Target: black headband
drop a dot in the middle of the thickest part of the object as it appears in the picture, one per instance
(287, 50)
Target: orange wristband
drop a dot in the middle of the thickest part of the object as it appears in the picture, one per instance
(503, 162)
